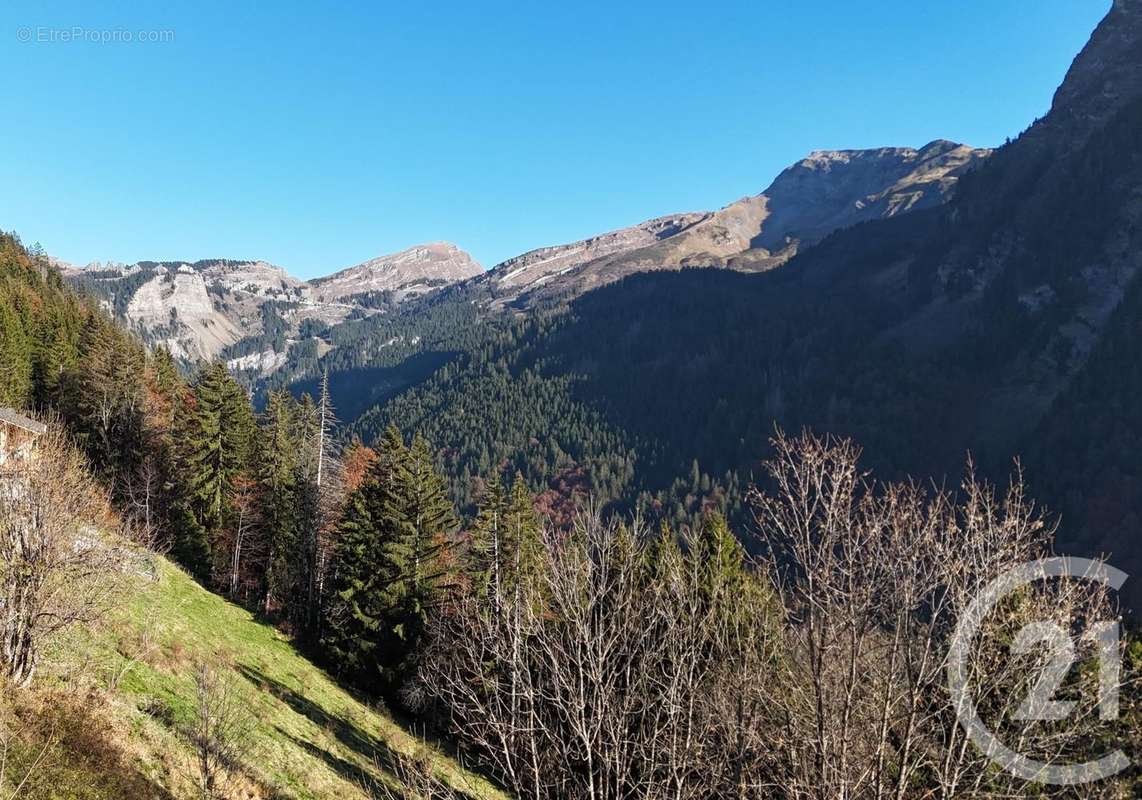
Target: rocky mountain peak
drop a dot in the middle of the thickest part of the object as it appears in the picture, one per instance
(1104, 77)
(832, 189)
(823, 192)
(540, 266)
(414, 270)
(197, 309)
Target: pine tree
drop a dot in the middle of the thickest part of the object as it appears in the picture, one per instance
(506, 548)
(366, 586)
(15, 358)
(318, 497)
(277, 477)
(190, 540)
(104, 397)
(219, 447)
(524, 540)
(391, 564)
(58, 351)
(165, 372)
(427, 521)
(485, 546)
(722, 560)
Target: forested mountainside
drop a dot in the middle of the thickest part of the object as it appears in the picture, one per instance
(122, 678)
(262, 321)
(374, 358)
(522, 618)
(577, 542)
(822, 193)
(1001, 323)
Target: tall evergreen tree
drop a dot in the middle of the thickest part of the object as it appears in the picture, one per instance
(391, 566)
(366, 586)
(190, 542)
(484, 560)
(15, 358)
(220, 440)
(318, 498)
(105, 397)
(421, 542)
(506, 545)
(524, 538)
(277, 476)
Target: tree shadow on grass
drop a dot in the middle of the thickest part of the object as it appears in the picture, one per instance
(370, 748)
(66, 747)
(351, 772)
(347, 733)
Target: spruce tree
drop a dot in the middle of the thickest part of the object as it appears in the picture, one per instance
(391, 564)
(422, 539)
(358, 638)
(317, 497)
(105, 397)
(57, 353)
(277, 478)
(484, 560)
(220, 447)
(15, 358)
(524, 539)
(190, 540)
(506, 548)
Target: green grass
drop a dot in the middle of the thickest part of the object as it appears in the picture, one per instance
(128, 682)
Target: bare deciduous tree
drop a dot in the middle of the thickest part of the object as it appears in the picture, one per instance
(413, 778)
(874, 579)
(141, 491)
(243, 497)
(57, 565)
(221, 731)
(598, 676)
(323, 495)
(637, 666)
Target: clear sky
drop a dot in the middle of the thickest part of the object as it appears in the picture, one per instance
(316, 139)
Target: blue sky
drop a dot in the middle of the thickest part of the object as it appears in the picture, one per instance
(318, 138)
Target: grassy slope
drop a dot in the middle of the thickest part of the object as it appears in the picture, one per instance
(113, 696)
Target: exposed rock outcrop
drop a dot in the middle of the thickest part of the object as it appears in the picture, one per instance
(198, 309)
(824, 192)
(407, 273)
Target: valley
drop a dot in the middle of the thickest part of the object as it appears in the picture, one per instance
(829, 491)
(927, 302)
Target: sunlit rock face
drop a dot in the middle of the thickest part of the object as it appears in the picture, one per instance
(197, 310)
(822, 193)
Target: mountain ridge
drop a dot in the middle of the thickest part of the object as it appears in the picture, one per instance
(755, 233)
(1003, 321)
(199, 309)
(420, 267)
(252, 313)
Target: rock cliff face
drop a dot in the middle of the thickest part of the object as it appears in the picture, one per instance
(1105, 76)
(197, 310)
(177, 302)
(824, 192)
(200, 309)
(837, 189)
(542, 265)
(407, 273)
